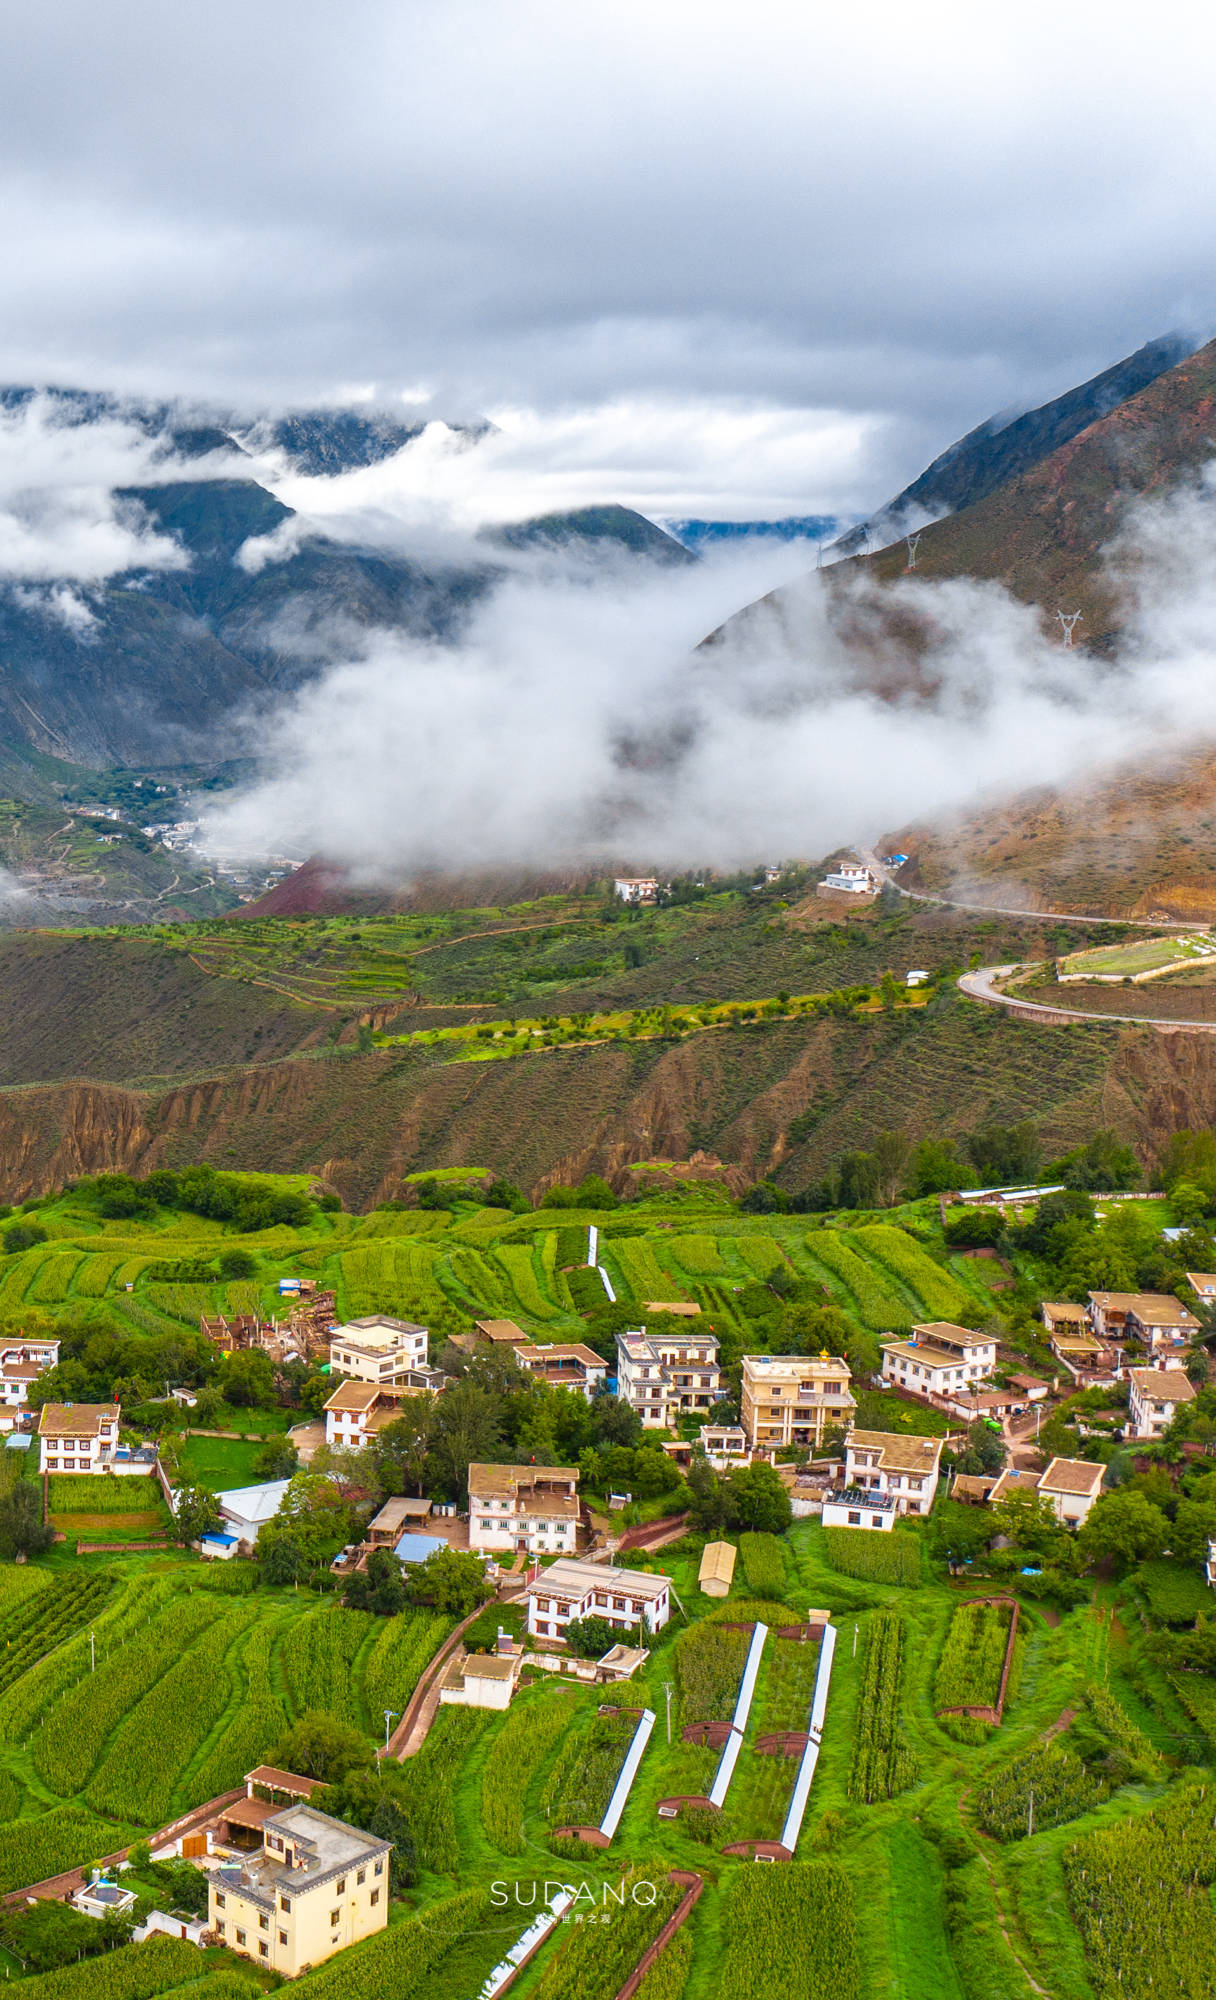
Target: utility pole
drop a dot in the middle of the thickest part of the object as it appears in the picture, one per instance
(1069, 620)
(855, 1632)
(913, 542)
(390, 1716)
(668, 1690)
(1030, 1816)
(92, 1654)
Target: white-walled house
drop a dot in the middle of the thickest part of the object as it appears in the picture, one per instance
(570, 1366)
(850, 878)
(1155, 1395)
(377, 1349)
(666, 1376)
(636, 888)
(533, 1508)
(938, 1359)
(78, 1437)
(624, 1597)
(884, 1464)
(1072, 1485)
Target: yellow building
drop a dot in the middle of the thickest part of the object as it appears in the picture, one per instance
(792, 1399)
(313, 1887)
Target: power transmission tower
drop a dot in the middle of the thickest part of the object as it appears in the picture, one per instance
(913, 542)
(1069, 620)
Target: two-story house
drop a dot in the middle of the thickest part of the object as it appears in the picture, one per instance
(314, 1886)
(938, 1358)
(571, 1367)
(665, 1376)
(1155, 1396)
(377, 1349)
(624, 1597)
(901, 1469)
(533, 1508)
(1069, 1485)
(357, 1410)
(789, 1399)
(1154, 1318)
(78, 1437)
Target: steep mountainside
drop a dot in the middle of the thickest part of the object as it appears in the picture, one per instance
(1002, 448)
(162, 665)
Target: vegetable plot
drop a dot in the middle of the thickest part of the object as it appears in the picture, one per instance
(973, 1657)
(709, 1666)
(874, 1556)
(882, 1763)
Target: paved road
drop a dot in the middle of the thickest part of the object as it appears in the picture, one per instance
(980, 985)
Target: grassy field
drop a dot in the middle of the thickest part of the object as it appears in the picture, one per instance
(217, 1462)
(1125, 961)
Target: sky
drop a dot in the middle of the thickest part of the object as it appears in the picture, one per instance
(736, 262)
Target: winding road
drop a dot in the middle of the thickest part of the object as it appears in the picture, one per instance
(981, 984)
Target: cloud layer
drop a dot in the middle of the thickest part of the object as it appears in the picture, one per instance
(874, 227)
(575, 722)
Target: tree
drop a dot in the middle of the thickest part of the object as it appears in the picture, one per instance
(935, 1168)
(247, 1379)
(811, 1329)
(858, 1180)
(404, 1446)
(237, 1263)
(983, 1451)
(380, 1587)
(707, 1495)
(591, 1637)
(196, 1514)
(1003, 1155)
(452, 1580)
(756, 1498)
(594, 1192)
(975, 1228)
(277, 1459)
(319, 1746)
(23, 1236)
(22, 1532)
(1123, 1528)
(467, 1429)
(1194, 1527)
(1029, 1521)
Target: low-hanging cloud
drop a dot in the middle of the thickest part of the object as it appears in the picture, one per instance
(577, 723)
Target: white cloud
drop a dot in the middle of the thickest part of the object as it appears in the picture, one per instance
(60, 515)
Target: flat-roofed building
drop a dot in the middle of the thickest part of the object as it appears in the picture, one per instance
(624, 1597)
(1155, 1396)
(1064, 1317)
(1203, 1284)
(377, 1349)
(885, 1463)
(500, 1332)
(313, 1886)
(565, 1367)
(78, 1437)
(667, 1376)
(357, 1410)
(791, 1399)
(528, 1508)
(938, 1358)
(396, 1518)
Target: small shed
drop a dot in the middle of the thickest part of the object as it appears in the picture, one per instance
(18, 1441)
(717, 1568)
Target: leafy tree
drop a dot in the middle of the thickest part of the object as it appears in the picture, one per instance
(319, 1746)
(467, 1428)
(47, 1935)
(594, 1192)
(707, 1504)
(237, 1263)
(1188, 1204)
(1003, 1155)
(247, 1379)
(560, 1196)
(1194, 1527)
(404, 1446)
(1124, 1528)
(615, 1422)
(811, 1329)
(975, 1228)
(592, 1637)
(1029, 1521)
(452, 1580)
(983, 1452)
(891, 1151)
(764, 1198)
(380, 1587)
(504, 1194)
(859, 1180)
(277, 1459)
(1191, 1156)
(936, 1168)
(197, 1513)
(756, 1498)
(23, 1236)
(22, 1532)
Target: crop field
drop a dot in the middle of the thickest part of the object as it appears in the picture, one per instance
(582, 1780)
(1135, 956)
(883, 1763)
(880, 1558)
(969, 1671)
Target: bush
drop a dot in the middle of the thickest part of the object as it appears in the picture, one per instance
(23, 1236)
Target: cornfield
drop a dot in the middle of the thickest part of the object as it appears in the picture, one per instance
(973, 1657)
(1140, 1892)
(518, 1752)
(882, 1762)
(874, 1556)
(1053, 1776)
(607, 1941)
(763, 1564)
(789, 1931)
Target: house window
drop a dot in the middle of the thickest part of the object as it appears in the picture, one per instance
(220, 1903)
(240, 1937)
(379, 1867)
(361, 1878)
(282, 1937)
(854, 1520)
(341, 1888)
(375, 1897)
(263, 1951)
(285, 1905)
(263, 1923)
(335, 1916)
(220, 1925)
(876, 1520)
